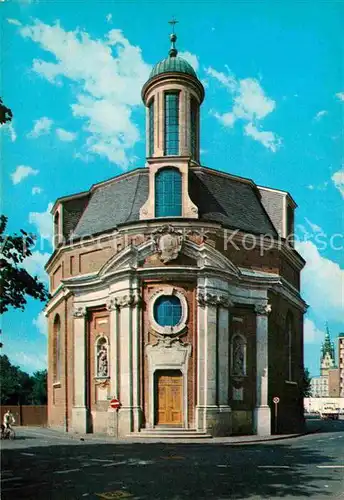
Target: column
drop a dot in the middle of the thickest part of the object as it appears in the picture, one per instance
(212, 411)
(80, 410)
(125, 423)
(136, 364)
(262, 413)
(112, 306)
(201, 334)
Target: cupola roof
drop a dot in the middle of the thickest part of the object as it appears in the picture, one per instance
(173, 63)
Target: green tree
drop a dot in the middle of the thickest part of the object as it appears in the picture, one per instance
(16, 385)
(15, 282)
(306, 383)
(39, 387)
(5, 113)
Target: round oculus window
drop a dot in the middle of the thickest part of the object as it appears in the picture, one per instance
(167, 310)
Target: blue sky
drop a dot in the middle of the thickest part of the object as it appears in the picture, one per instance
(273, 112)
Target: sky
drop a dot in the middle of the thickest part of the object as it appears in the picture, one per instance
(274, 107)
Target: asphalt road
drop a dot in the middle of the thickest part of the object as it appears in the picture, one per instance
(41, 464)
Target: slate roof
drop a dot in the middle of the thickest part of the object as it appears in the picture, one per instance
(221, 198)
(114, 203)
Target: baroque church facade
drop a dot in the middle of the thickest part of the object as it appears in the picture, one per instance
(174, 289)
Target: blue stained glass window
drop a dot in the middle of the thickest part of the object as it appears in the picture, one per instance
(151, 128)
(168, 193)
(171, 123)
(167, 310)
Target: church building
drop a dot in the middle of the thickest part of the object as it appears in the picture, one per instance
(175, 289)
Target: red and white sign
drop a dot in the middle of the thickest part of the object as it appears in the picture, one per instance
(276, 400)
(115, 404)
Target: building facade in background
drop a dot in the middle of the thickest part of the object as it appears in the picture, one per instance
(328, 384)
(341, 364)
(174, 290)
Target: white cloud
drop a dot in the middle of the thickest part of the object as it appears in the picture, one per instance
(42, 126)
(12, 132)
(30, 362)
(314, 227)
(340, 96)
(43, 222)
(250, 104)
(312, 334)
(320, 114)
(190, 58)
(338, 180)
(35, 264)
(14, 21)
(9, 129)
(109, 74)
(109, 18)
(65, 136)
(268, 139)
(41, 323)
(36, 190)
(21, 172)
(322, 283)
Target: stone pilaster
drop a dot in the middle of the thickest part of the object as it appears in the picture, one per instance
(262, 413)
(129, 415)
(136, 364)
(79, 411)
(212, 410)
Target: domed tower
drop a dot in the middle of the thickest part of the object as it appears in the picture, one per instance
(172, 96)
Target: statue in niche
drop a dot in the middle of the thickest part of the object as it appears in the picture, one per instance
(102, 359)
(238, 356)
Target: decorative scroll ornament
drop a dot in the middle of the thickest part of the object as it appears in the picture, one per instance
(263, 309)
(128, 300)
(79, 311)
(212, 299)
(168, 243)
(112, 304)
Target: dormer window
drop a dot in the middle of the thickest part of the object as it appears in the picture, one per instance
(171, 123)
(168, 193)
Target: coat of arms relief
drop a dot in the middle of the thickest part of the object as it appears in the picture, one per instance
(168, 242)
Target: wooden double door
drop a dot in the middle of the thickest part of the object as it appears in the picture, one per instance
(169, 398)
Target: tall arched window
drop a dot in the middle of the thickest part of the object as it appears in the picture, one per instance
(289, 345)
(151, 127)
(171, 123)
(168, 193)
(57, 348)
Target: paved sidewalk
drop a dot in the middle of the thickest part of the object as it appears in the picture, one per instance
(312, 426)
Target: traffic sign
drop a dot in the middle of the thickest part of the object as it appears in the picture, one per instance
(115, 404)
(276, 400)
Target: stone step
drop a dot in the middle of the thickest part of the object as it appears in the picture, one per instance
(166, 433)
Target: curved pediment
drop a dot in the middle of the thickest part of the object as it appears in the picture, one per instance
(188, 254)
